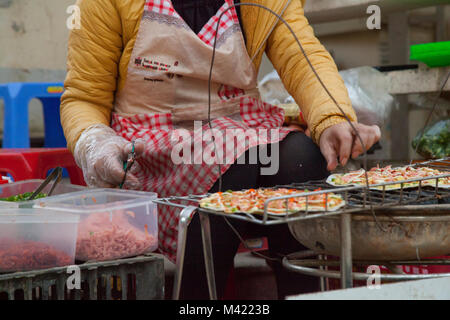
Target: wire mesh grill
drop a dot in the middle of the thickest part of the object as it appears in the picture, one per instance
(357, 198)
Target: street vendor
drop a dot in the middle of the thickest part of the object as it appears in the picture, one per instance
(138, 70)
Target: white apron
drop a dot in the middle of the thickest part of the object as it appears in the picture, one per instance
(167, 88)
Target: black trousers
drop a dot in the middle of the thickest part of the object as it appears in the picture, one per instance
(300, 161)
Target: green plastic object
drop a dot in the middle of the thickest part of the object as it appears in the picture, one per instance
(435, 54)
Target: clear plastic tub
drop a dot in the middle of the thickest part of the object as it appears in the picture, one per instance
(33, 239)
(114, 223)
(20, 187)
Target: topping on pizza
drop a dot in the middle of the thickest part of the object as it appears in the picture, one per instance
(253, 200)
(388, 174)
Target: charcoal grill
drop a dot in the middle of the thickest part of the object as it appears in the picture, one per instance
(360, 202)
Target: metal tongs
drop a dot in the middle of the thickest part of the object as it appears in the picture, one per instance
(129, 163)
(55, 174)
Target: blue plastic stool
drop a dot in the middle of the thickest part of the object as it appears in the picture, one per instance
(16, 98)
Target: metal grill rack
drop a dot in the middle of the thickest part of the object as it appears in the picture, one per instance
(358, 199)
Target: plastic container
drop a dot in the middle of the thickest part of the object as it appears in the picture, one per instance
(21, 187)
(114, 223)
(33, 239)
(436, 54)
(139, 278)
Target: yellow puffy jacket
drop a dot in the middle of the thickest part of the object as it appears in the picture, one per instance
(99, 52)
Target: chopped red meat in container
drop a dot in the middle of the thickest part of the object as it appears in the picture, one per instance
(108, 236)
(30, 255)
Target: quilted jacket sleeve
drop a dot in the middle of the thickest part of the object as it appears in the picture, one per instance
(318, 109)
(94, 52)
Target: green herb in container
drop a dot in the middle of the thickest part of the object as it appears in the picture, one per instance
(23, 197)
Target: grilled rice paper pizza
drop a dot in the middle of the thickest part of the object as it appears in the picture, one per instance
(252, 201)
(388, 174)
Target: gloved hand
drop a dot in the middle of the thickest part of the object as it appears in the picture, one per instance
(100, 153)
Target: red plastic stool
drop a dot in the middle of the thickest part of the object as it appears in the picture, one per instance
(34, 163)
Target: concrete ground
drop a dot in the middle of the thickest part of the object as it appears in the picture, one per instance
(253, 278)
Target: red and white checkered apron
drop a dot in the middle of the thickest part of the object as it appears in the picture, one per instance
(159, 172)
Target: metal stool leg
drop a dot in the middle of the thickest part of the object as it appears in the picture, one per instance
(185, 219)
(207, 252)
(346, 251)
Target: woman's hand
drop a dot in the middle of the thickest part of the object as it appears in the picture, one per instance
(339, 142)
(100, 152)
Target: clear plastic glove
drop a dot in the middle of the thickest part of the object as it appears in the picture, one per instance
(100, 153)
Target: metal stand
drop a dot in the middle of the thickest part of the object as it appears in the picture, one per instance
(346, 256)
(346, 251)
(183, 224)
(302, 266)
(185, 219)
(357, 198)
(308, 267)
(208, 255)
